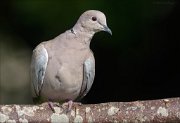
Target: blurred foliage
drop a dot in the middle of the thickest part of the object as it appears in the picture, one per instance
(142, 51)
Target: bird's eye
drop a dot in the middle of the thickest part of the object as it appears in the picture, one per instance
(94, 18)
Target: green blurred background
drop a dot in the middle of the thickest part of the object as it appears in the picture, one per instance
(140, 61)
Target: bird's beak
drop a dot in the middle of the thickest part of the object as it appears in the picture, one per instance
(107, 29)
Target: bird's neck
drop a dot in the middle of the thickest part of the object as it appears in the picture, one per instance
(83, 32)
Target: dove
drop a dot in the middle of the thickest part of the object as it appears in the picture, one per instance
(63, 69)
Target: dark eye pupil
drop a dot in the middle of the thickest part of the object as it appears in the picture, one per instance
(94, 18)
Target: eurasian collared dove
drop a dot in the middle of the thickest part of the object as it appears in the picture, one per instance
(64, 68)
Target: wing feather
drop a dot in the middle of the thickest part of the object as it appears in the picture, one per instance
(89, 73)
(38, 68)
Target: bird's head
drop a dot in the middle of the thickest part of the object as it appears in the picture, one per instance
(93, 21)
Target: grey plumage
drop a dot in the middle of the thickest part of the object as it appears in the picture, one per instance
(38, 68)
(88, 78)
(64, 67)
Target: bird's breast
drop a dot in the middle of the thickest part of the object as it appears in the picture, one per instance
(64, 73)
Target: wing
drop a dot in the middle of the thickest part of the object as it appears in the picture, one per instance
(38, 68)
(88, 77)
